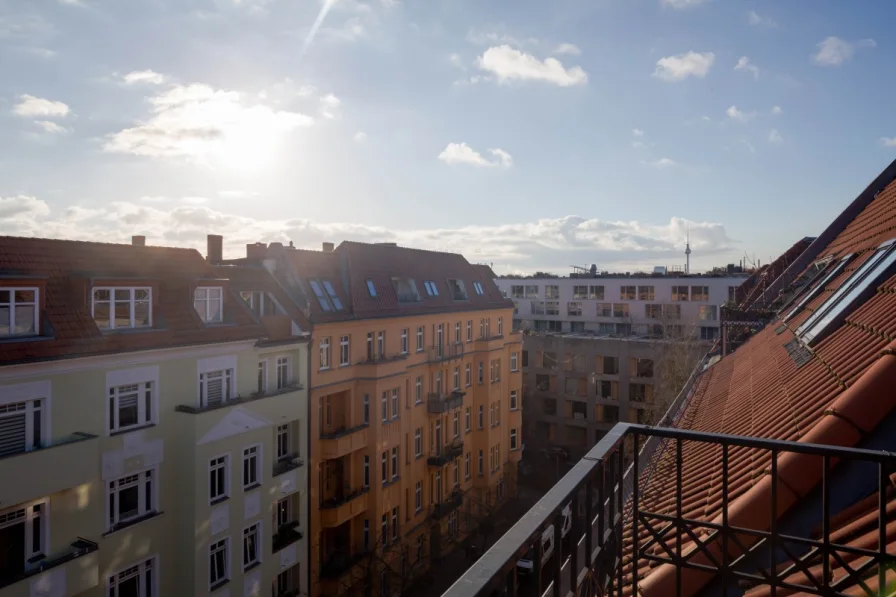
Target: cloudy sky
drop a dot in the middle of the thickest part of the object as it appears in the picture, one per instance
(529, 134)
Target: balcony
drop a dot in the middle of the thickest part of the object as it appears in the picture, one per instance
(451, 503)
(286, 535)
(438, 404)
(448, 453)
(343, 507)
(74, 569)
(618, 533)
(284, 465)
(380, 365)
(445, 352)
(193, 409)
(72, 459)
(343, 441)
(340, 564)
(490, 341)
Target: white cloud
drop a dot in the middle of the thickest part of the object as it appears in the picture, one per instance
(237, 194)
(30, 106)
(777, 110)
(509, 64)
(329, 104)
(735, 114)
(194, 200)
(662, 163)
(682, 3)
(888, 141)
(456, 61)
(775, 137)
(144, 76)
(834, 51)
(51, 127)
(199, 122)
(360, 137)
(744, 64)
(546, 244)
(757, 20)
(461, 153)
(637, 132)
(490, 38)
(682, 66)
(567, 49)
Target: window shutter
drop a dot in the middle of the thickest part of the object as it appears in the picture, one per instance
(12, 434)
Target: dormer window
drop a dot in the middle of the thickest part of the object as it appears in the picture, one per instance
(477, 286)
(259, 302)
(18, 311)
(371, 288)
(209, 303)
(406, 290)
(458, 291)
(431, 288)
(326, 295)
(116, 308)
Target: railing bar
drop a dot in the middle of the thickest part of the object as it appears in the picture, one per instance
(725, 529)
(558, 554)
(617, 526)
(574, 544)
(773, 525)
(881, 523)
(635, 496)
(589, 527)
(678, 516)
(537, 563)
(825, 521)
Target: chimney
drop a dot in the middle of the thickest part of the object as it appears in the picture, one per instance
(215, 251)
(256, 251)
(138, 240)
(328, 247)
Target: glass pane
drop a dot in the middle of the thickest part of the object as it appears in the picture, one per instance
(101, 315)
(24, 296)
(127, 413)
(141, 294)
(214, 311)
(122, 315)
(4, 320)
(129, 587)
(24, 320)
(214, 293)
(4, 296)
(122, 294)
(201, 293)
(199, 305)
(141, 313)
(128, 503)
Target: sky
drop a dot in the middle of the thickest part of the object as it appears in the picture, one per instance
(527, 134)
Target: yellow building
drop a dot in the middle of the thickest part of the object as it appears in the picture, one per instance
(415, 406)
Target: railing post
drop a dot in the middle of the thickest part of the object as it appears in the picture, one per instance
(634, 512)
(773, 526)
(574, 533)
(825, 521)
(558, 553)
(678, 516)
(724, 520)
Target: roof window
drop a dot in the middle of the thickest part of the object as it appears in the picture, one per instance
(819, 287)
(477, 287)
(406, 290)
(115, 308)
(260, 303)
(18, 311)
(458, 290)
(329, 301)
(209, 303)
(850, 294)
(431, 288)
(371, 288)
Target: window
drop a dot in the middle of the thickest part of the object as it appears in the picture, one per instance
(456, 378)
(467, 419)
(381, 344)
(418, 496)
(343, 350)
(469, 330)
(283, 441)
(371, 288)
(418, 390)
(645, 293)
(251, 467)
(604, 309)
(218, 478)
(480, 463)
(653, 311)
(532, 291)
(215, 387)
(431, 288)
(491, 414)
(324, 353)
(395, 403)
(366, 409)
(258, 303)
(708, 333)
(457, 289)
(611, 365)
(456, 475)
(371, 351)
(262, 377)
(385, 467)
(404, 341)
(478, 287)
(551, 292)
(384, 404)
(596, 293)
(620, 310)
(579, 292)
(394, 463)
(552, 308)
(679, 293)
(467, 465)
(419, 338)
(406, 290)
(251, 551)
(500, 326)
(605, 390)
(849, 294)
(366, 471)
(574, 309)
(366, 534)
(820, 286)
(481, 416)
(644, 368)
(319, 293)
(468, 377)
(707, 313)
(218, 562)
(516, 292)
(699, 293)
(536, 307)
(394, 524)
(456, 422)
(418, 442)
(610, 414)
(513, 439)
(130, 406)
(626, 293)
(131, 497)
(282, 373)
(513, 400)
(637, 392)
(334, 298)
(672, 311)
(481, 371)
(384, 529)
(208, 302)
(113, 308)
(138, 580)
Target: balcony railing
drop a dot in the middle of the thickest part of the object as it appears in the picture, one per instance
(448, 505)
(344, 431)
(192, 409)
(445, 352)
(340, 563)
(619, 537)
(286, 534)
(78, 548)
(284, 465)
(448, 453)
(343, 497)
(438, 404)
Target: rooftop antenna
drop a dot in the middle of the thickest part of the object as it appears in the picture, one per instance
(687, 252)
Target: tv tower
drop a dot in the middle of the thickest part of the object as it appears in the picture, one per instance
(687, 253)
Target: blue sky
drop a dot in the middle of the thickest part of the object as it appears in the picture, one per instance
(529, 134)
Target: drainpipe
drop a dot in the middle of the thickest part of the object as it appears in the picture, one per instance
(308, 480)
(856, 412)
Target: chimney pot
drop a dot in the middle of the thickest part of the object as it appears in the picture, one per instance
(138, 240)
(328, 247)
(215, 251)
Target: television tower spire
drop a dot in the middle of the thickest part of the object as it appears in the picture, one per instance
(687, 252)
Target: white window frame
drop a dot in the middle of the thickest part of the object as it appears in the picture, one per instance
(468, 375)
(132, 303)
(344, 351)
(224, 468)
(228, 389)
(420, 339)
(456, 424)
(204, 295)
(457, 333)
(418, 390)
(480, 462)
(513, 439)
(324, 347)
(469, 330)
(252, 456)
(384, 404)
(29, 406)
(394, 403)
(366, 478)
(481, 416)
(467, 418)
(9, 332)
(394, 463)
(26, 514)
(500, 326)
(140, 479)
(222, 545)
(146, 405)
(466, 466)
(456, 378)
(418, 442)
(418, 497)
(514, 361)
(404, 341)
(284, 441)
(141, 570)
(263, 371)
(284, 363)
(254, 528)
(514, 400)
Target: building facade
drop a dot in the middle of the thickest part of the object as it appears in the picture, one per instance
(153, 409)
(415, 397)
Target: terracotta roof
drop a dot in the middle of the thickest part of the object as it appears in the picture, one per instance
(66, 270)
(749, 292)
(760, 390)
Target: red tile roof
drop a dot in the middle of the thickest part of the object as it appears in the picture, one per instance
(749, 292)
(760, 391)
(69, 269)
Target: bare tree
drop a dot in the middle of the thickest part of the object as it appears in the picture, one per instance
(676, 348)
(392, 567)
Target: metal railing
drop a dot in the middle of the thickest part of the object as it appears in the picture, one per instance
(438, 404)
(445, 352)
(449, 504)
(446, 454)
(615, 538)
(78, 548)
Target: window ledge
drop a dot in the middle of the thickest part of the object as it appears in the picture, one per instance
(135, 521)
(391, 482)
(218, 500)
(255, 564)
(255, 485)
(131, 429)
(219, 584)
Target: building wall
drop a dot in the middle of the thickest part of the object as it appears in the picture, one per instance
(342, 438)
(73, 478)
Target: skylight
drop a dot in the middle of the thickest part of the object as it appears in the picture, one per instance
(458, 291)
(321, 298)
(334, 298)
(862, 282)
(371, 288)
(477, 286)
(819, 287)
(431, 288)
(406, 290)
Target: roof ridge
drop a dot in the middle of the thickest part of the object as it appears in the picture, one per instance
(94, 242)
